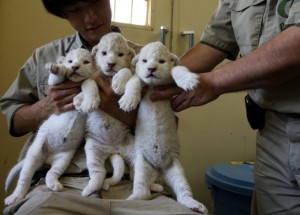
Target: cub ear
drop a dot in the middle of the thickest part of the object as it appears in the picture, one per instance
(135, 60)
(132, 53)
(94, 51)
(175, 59)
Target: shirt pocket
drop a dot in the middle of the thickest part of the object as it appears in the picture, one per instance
(247, 22)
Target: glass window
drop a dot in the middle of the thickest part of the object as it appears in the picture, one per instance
(134, 12)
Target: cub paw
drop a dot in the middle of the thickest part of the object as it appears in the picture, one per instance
(48, 66)
(128, 102)
(12, 199)
(89, 191)
(139, 196)
(194, 205)
(184, 78)
(118, 87)
(86, 105)
(55, 186)
(77, 100)
(89, 104)
(119, 81)
(53, 68)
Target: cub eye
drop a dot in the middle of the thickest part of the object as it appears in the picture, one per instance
(121, 54)
(161, 61)
(144, 60)
(70, 61)
(104, 53)
(86, 62)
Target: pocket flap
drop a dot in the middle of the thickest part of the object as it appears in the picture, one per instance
(240, 5)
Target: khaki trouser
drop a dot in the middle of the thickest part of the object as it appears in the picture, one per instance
(40, 200)
(277, 166)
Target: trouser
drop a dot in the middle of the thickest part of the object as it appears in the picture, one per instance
(40, 200)
(277, 166)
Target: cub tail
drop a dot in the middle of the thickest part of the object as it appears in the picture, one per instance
(12, 174)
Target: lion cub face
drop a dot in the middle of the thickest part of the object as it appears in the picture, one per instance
(112, 54)
(154, 63)
(79, 64)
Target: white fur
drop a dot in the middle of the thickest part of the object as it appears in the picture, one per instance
(106, 136)
(89, 99)
(59, 136)
(157, 144)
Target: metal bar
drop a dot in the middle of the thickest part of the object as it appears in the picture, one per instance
(191, 37)
(163, 33)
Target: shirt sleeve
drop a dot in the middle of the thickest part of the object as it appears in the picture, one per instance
(22, 92)
(219, 32)
(293, 15)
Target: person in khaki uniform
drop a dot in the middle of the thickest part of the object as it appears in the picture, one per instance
(267, 36)
(29, 101)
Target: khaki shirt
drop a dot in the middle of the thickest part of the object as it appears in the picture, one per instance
(31, 85)
(240, 26)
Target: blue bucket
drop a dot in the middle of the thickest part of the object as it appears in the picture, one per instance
(231, 187)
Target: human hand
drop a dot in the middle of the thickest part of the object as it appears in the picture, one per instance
(60, 97)
(181, 100)
(109, 103)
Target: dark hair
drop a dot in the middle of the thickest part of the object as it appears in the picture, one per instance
(56, 7)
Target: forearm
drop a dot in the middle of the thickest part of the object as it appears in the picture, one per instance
(202, 58)
(29, 117)
(59, 100)
(272, 64)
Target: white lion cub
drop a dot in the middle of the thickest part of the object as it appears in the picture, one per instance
(60, 135)
(106, 136)
(156, 140)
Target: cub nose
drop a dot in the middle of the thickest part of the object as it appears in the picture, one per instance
(151, 70)
(111, 65)
(75, 68)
